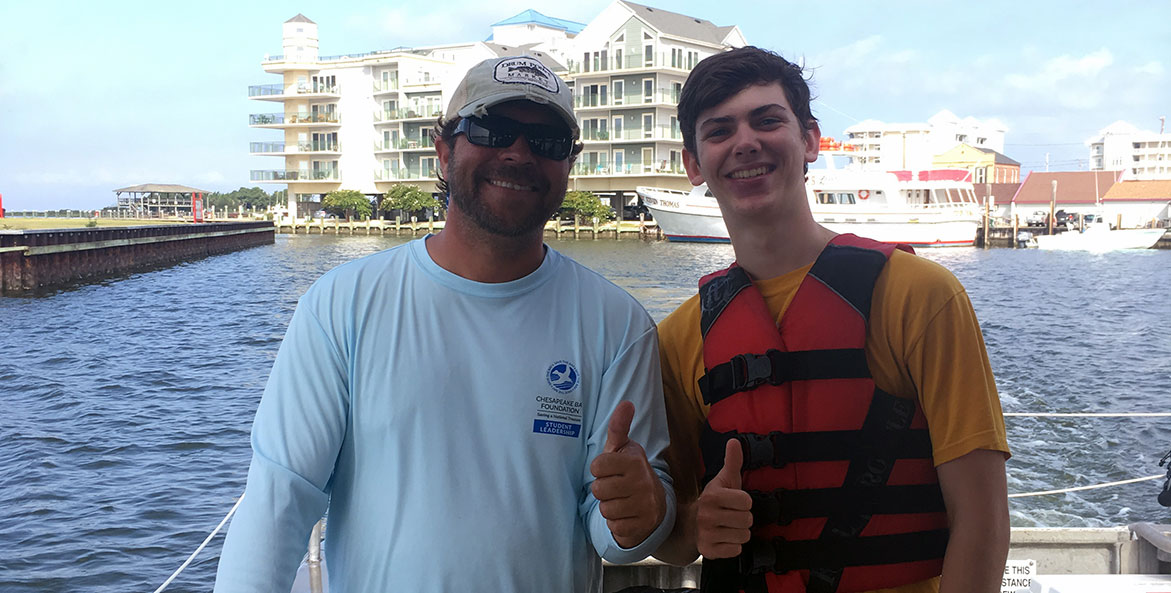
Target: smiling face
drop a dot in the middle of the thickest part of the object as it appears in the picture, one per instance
(508, 191)
(751, 150)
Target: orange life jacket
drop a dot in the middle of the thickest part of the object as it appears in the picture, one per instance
(845, 494)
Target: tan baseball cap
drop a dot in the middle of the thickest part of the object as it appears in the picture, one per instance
(498, 80)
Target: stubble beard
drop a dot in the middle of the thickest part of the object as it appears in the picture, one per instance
(520, 218)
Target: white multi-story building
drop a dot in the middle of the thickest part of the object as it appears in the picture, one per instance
(1140, 155)
(895, 147)
(361, 121)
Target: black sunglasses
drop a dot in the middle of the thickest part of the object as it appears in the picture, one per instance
(551, 142)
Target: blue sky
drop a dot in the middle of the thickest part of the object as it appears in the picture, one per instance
(100, 95)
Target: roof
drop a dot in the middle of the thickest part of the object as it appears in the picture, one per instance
(1003, 192)
(999, 159)
(531, 16)
(1157, 190)
(673, 23)
(300, 18)
(1073, 187)
(160, 188)
(526, 50)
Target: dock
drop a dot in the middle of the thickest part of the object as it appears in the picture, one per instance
(32, 260)
(626, 229)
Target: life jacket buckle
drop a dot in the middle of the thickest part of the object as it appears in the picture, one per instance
(760, 556)
(768, 508)
(750, 370)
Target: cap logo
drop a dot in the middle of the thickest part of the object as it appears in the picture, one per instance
(525, 71)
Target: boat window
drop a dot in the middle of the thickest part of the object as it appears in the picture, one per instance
(941, 196)
(825, 198)
(709, 194)
(846, 198)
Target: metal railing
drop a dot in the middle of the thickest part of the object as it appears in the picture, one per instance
(261, 147)
(632, 168)
(264, 90)
(635, 99)
(658, 133)
(407, 174)
(294, 175)
(388, 115)
(266, 119)
(381, 86)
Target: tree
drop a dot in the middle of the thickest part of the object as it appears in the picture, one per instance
(348, 203)
(586, 205)
(410, 199)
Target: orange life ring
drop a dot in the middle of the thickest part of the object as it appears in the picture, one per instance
(865, 193)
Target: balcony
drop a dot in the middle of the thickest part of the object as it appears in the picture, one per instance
(276, 120)
(281, 149)
(294, 175)
(632, 168)
(659, 133)
(279, 92)
(384, 116)
(266, 148)
(408, 174)
(385, 86)
(629, 100)
(627, 63)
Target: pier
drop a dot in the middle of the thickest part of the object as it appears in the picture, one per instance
(37, 259)
(626, 229)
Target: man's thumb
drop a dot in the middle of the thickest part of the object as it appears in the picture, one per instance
(729, 476)
(618, 433)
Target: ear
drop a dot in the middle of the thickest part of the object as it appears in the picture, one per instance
(812, 141)
(443, 151)
(691, 165)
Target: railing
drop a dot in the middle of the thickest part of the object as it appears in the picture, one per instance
(318, 147)
(294, 175)
(266, 119)
(313, 118)
(270, 90)
(633, 168)
(381, 86)
(658, 133)
(259, 147)
(387, 115)
(264, 90)
(412, 173)
(630, 99)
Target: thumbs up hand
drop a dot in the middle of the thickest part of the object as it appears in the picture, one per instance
(723, 513)
(629, 492)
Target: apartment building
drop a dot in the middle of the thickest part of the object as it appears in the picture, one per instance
(1139, 154)
(361, 121)
(883, 146)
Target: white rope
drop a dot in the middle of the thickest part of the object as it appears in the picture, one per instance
(1106, 485)
(1092, 415)
(201, 546)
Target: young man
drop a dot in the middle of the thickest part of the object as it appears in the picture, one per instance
(471, 408)
(834, 421)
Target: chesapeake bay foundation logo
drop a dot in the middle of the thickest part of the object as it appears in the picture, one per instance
(562, 376)
(525, 71)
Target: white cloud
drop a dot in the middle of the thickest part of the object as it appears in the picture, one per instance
(1152, 68)
(1056, 71)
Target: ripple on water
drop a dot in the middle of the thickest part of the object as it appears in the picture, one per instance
(127, 437)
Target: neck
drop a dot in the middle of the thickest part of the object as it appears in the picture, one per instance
(482, 257)
(768, 247)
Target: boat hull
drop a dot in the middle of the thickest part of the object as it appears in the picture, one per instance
(1101, 240)
(691, 225)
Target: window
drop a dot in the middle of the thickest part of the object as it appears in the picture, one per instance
(676, 57)
(676, 90)
(596, 65)
(981, 175)
(648, 55)
(618, 59)
(605, 61)
(603, 99)
(619, 90)
(427, 167)
(585, 62)
(648, 159)
(648, 125)
(618, 128)
(619, 157)
(648, 90)
(675, 128)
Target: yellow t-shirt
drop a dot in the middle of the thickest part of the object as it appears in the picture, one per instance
(923, 341)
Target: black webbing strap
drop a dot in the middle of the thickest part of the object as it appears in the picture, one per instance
(778, 555)
(715, 294)
(776, 449)
(782, 506)
(746, 371)
(888, 417)
(850, 272)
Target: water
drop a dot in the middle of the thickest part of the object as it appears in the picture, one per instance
(127, 403)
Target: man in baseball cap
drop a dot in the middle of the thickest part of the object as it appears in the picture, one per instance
(475, 410)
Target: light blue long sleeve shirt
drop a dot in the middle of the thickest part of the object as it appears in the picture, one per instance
(448, 426)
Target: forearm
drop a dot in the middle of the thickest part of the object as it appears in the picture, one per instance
(679, 548)
(975, 557)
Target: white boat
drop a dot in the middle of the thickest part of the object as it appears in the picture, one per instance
(1099, 237)
(936, 208)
